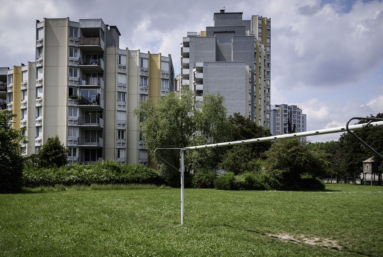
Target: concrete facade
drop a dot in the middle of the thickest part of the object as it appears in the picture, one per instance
(281, 113)
(84, 88)
(231, 40)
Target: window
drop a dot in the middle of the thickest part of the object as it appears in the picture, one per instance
(90, 94)
(72, 152)
(268, 57)
(268, 49)
(10, 97)
(164, 84)
(143, 155)
(72, 91)
(268, 40)
(268, 32)
(143, 98)
(39, 92)
(268, 23)
(24, 95)
(73, 52)
(37, 149)
(121, 116)
(268, 65)
(268, 73)
(73, 72)
(260, 30)
(260, 38)
(121, 78)
(72, 132)
(122, 59)
(144, 63)
(39, 131)
(268, 82)
(40, 33)
(121, 97)
(73, 32)
(72, 112)
(23, 114)
(120, 134)
(39, 112)
(120, 153)
(165, 66)
(40, 73)
(25, 75)
(10, 79)
(260, 22)
(143, 81)
(39, 53)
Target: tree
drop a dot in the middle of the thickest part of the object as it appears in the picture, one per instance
(176, 123)
(11, 161)
(289, 159)
(241, 158)
(53, 153)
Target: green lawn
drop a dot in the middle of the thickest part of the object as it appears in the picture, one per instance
(146, 222)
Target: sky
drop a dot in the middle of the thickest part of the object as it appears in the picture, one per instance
(326, 55)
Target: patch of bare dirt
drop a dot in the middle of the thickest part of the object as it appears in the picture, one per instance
(323, 242)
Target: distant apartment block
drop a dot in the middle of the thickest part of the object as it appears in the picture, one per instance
(231, 58)
(282, 114)
(84, 88)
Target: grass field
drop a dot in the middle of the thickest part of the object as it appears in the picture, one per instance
(346, 220)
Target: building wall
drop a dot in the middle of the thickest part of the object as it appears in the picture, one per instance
(155, 77)
(31, 129)
(55, 89)
(16, 96)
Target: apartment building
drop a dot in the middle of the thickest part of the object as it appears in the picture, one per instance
(282, 114)
(84, 88)
(231, 58)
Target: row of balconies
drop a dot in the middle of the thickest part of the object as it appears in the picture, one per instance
(86, 141)
(144, 90)
(24, 85)
(86, 121)
(88, 102)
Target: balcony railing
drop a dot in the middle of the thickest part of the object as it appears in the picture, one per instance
(72, 158)
(72, 141)
(73, 81)
(39, 62)
(121, 68)
(72, 121)
(38, 141)
(39, 42)
(90, 159)
(144, 71)
(72, 102)
(74, 41)
(89, 121)
(141, 144)
(89, 81)
(165, 75)
(90, 101)
(39, 102)
(121, 87)
(24, 85)
(121, 143)
(3, 87)
(23, 123)
(9, 106)
(10, 88)
(91, 141)
(199, 98)
(89, 41)
(74, 61)
(24, 104)
(121, 106)
(164, 91)
(121, 124)
(39, 82)
(39, 121)
(144, 90)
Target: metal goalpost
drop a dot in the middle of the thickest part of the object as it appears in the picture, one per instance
(264, 139)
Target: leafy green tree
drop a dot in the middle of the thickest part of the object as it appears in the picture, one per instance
(53, 153)
(11, 161)
(241, 158)
(289, 159)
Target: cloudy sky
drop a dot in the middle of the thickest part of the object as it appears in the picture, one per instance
(327, 56)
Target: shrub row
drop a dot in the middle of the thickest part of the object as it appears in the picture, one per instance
(100, 173)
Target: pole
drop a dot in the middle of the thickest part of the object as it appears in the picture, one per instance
(182, 187)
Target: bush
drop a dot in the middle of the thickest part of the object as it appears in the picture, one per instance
(53, 153)
(313, 184)
(204, 179)
(221, 183)
(107, 172)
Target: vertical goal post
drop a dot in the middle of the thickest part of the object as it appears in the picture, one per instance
(378, 123)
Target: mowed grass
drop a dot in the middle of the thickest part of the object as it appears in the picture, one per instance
(146, 222)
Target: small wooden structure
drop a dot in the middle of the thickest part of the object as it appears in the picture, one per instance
(370, 167)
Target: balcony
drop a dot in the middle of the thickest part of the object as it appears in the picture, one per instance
(90, 160)
(144, 71)
(121, 68)
(164, 91)
(38, 141)
(121, 160)
(121, 124)
(185, 41)
(39, 102)
(73, 101)
(23, 123)
(144, 90)
(199, 98)
(24, 85)
(23, 144)
(39, 82)
(121, 87)
(10, 88)
(74, 61)
(185, 82)
(121, 143)
(92, 65)
(91, 44)
(72, 141)
(9, 106)
(72, 159)
(39, 62)
(143, 162)
(90, 81)
(185, 62)
(39, 42)
(199, 76)
(185, 51)
(74, 41)
(72, 121)
(141, 144)
(90, 122)
(185, 73)
(90, 103)
(90, 141)
(165, 75)
(3, 86)
(121, 106)
(24, 104)
(198, 87)
(39, 121)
